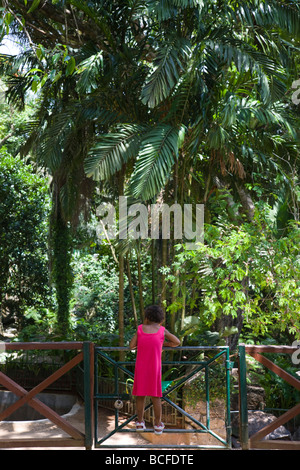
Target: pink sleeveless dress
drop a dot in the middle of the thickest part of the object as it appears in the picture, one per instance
(147, 375)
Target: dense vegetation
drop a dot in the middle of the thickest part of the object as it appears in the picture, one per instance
(182, 101)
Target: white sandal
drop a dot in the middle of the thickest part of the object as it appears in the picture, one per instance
(159, 429)
(140, 426)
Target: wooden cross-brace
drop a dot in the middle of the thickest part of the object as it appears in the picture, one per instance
(29, 398)
(256, 441)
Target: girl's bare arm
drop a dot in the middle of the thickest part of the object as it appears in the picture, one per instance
(133, 342)
(172, 340)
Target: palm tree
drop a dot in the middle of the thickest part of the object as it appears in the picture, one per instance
(56, 142)
(74, 107)
(211, 89)
(215, 92)
(189, 95)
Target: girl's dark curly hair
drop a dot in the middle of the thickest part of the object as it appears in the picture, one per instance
(155, 314)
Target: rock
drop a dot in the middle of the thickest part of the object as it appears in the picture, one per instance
(296, 435)
(259, 419)
(255, 397)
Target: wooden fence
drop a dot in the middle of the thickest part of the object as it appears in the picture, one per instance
(257, 440)
(74, 438)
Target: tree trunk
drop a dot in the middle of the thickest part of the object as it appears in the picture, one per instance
(3, 282)
(164, 263)
(153, 271)
(141, 300)
(183, 293)
(175, 292)
(247, 203)
(1, 324)
(121, 300)
(61, 244)
(227, 321)
(131, 294)
(121, 280)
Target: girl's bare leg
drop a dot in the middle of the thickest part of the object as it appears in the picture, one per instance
(140, 407)
(157, 410)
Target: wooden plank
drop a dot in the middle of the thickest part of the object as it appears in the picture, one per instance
(39, 388)
(47, 345)
(276, 423)
(54, 442)
(262, 348)
(277, 370)
(41, 407)
(275, 444)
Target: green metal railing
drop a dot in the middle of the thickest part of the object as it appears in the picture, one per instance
(220, 353)
(243, 406)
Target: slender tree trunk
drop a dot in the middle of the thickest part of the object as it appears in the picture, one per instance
(1, 323)
(246, 200)
(153, 271)
(183, 293)
(175, 289)
(131, 293)
(141, 300)
(3, 282)
(121, 281)
(121, 300)
(164, 263)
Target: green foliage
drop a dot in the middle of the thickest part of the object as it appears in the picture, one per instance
(156, 158)
(39, 325)
(164, 74)
(196, 389)
(247, 269)
(95, 294)
(112, 150)
(190, 100)
(15, 125)
(24, 208)
(61, 244)
(278, 393)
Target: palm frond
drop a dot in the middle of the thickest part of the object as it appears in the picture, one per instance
(182, 95)
(111, 150)
(273, 13)
(165, 74)
(13, 69)
(89, 71)
(165, 9)
(158, 152)
(52, 139)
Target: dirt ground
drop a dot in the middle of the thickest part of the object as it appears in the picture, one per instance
(44, 429)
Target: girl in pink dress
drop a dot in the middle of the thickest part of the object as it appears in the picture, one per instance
(149, 340)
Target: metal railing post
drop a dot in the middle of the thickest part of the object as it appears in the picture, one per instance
(88, 361)
(228, 415)
(243, 405)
